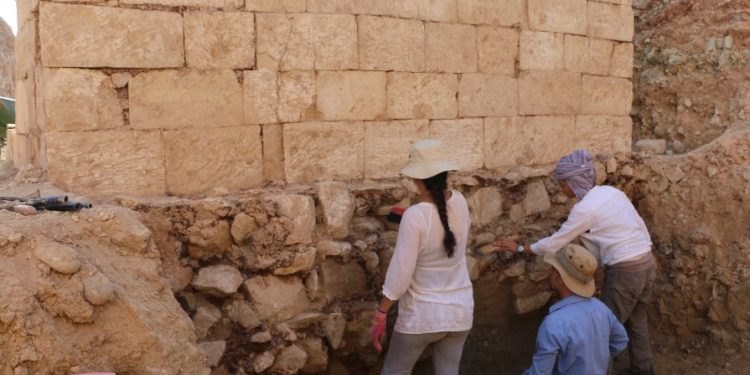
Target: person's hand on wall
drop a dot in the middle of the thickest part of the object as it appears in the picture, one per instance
(506, 244)
(378, 329)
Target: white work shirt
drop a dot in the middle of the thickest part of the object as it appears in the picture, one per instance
(433, 290)
(609, 225)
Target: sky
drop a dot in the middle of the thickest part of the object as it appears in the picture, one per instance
(8, 13)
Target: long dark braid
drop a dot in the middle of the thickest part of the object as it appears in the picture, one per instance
(437, 185)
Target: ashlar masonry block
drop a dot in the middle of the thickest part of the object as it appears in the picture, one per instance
(316, 151)
(225, 4)
(198, 160)
(220, 40)
(541, 51)
(260, 96)
(335, 42)
(595, 133)
(273, 152)
(450, 48)
(279, 6)
(622, 135)
(606, 96)
(553, 137)
(567, 16)
(78, 99)
(96, 36)
(622, 60)
(549, 93)
(587, 55)
(296, 95)
(106, 162)
(490, 12)
(387, 145)
(462, 140)
(285, 41)
(482, 95)
(610, 21)
(354, 95)
(391, 44)
(422, 95)
(507, 142)
(498, 49)
(168, 99)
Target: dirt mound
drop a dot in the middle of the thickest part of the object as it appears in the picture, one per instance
(83, 292)
(692, 80)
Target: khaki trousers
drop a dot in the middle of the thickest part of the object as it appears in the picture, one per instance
(404, 351)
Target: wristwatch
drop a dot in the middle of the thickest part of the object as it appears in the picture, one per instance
(520, 248)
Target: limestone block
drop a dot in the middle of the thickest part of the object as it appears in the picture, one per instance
(240, 311)
(622, 60)
(506, 142)
(606, 96)
(121, 79)
(279, 6)
(209, 238)
(421, 95)
(301, 262)
(317, 355)
(527, 304)
(59, 257)
(462, 140)
(450, 48)
(300, 210)
(391, 44)
(213, 350)
(226, 4)
(330, 6)
(651, 146)
(335, 42)
(487, 95)
(429, 10)
(567, 16)
(342, 281)
(290, 360)
(352, 95)
(168, 99)
(610, 21)
(587, 55)
(337, 204)
(243, 226)
(486, 205)
(264, 291)
(549, 93)
(387, 145)
(595, 133)
(541, 51)
(273, 153)
(296, 94)
(260, 96)
(334, 327)
(205, 317)
(285, 41)
(103, 162)
(622, 134)
(324, 150)
(220, 40)
(198, 160)
(263, 361)
(77, 99)
(536, 199)
(489, 12)
(553, 137)
(220, 280)
(334, 248)
(497, 49)
(96, 36)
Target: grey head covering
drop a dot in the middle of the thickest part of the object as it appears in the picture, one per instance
(577, 170)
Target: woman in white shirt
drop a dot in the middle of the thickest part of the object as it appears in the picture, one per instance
(612, 230)
(428, 273)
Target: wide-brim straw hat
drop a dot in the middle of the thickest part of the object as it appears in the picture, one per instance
(427, 159)
(577, 266)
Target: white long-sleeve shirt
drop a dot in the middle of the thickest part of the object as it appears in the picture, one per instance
(433, 290)
(609, 224)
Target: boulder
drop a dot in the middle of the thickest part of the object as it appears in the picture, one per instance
(219, 281)
(337, 205)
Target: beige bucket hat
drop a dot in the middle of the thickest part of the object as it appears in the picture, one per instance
(426, 159)
(576, 266)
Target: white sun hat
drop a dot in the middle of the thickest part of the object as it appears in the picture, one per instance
(426, 159)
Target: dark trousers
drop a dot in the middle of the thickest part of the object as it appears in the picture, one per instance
(628, 294)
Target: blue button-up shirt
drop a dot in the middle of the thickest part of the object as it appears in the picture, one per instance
(578, 337)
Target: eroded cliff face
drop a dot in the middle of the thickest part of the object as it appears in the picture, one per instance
(691, 70)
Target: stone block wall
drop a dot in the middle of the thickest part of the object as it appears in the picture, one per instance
(154, 97)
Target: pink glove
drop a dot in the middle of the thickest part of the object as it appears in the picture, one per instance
(378, 329)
